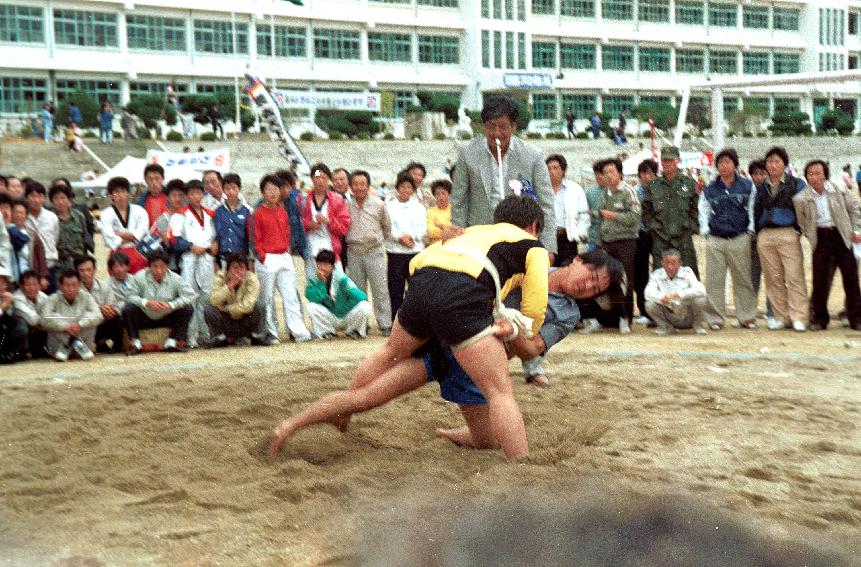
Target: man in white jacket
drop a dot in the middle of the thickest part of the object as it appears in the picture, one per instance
(675, 298)
(124, 223)
(71, 316)
(194, 232)
(571, 208)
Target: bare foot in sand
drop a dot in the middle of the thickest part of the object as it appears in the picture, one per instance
(459, 436)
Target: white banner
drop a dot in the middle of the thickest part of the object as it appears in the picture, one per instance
(327, 100)
(199, 161)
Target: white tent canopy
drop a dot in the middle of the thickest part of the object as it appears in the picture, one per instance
(132, 169)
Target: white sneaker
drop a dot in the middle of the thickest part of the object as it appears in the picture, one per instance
(62, 353)
(664, 331)
(82, 349)
(700, 331)
(624, 327)
(799, 326)
(775, 325)
(590, 326)
(642, 320)
(844, 320)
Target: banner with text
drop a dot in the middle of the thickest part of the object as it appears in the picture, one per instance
(327, 100)
(200, 161)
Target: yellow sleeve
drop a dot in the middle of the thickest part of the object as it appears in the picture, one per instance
(434, 233)
(534, 302)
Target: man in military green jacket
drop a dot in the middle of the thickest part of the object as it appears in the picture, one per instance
(670, 211)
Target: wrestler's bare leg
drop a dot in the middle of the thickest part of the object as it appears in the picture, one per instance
(337, 407)
(476, 433)
(487, 364)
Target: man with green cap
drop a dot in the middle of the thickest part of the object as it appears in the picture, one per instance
(670, 211)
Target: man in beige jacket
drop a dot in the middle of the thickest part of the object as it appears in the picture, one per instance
(829, 216)
(71, 316)
(235, 311)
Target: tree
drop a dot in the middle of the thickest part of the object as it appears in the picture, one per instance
(152, 107)
(748, 120)
(350, 123)
(666, 115)
(440, 102)
(87, 104)
(837, 119)
(699, 115)
(797, 123)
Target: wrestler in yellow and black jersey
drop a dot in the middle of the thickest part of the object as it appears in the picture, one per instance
(450, 295)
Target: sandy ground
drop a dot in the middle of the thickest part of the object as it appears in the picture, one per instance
(159, 459)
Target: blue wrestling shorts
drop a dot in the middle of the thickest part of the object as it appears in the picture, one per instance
(454, 384)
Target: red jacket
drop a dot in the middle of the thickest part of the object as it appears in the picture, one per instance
(339, 218)
(271, 231)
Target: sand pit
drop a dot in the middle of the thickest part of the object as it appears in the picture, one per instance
(158, 460)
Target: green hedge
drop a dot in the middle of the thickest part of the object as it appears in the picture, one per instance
(151, 108)
(87, 104)
(837, 119)
(349, 123)
(797, 123)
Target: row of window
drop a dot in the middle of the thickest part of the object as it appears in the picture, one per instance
(100, 29)
(437, 3)
(834, 62)
(492, 50)
(658, 59)
(686, 12)
(504, 9)
(552, 106)
(832, 26)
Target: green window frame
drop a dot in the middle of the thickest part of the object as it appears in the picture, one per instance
(213, 88)
(577, 56)
(544, 106)
(617, 58)
(100, 90)
(617, 9)
(509, 50)
(783, 104)
(439, 49)
(755, 63)
(655, 59)
(657, 11)
(755, 17)
(583, 106)
(497, 49)
(730, 106)
(86, 29)
(756, 102)
(655, 99)
(723, 62)
(521, 51)
(392, 1)
(390, 47)
(690, 61)
(337, 44)
(485, 48)
(439, 3)
(216, 37)
(402, 101)
(544, 7)
(485, 8)
(543, 55)
(785, 18)
(22, 94)
(723, 15)
(616, 104)
(509, 9)
(155, 33)
(786, 63)
(521, 10)
(577, 8)
(497, 9)
(22, 24)
(688, 12)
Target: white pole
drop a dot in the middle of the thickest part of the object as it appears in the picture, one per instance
(499, 161)
(238, 117)
(717, 118)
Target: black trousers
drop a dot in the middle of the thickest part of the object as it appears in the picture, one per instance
(625, 251)
(177, 320)
(642, 271)
(589, 309)
(565, 249)
(13, 336)
(110, 329)
(223, 324)
(831, 251)
(398, 272)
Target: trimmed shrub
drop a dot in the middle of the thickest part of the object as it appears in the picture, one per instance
(347, 122)
(306, 136)
(464, 136)
(150, 108)
(440, 102)
(797, 123)
(440, 136)
(173, 136)
(837, 119)
(87, 104)
(582, 136)
(208, 137)
(336, 136)
(388, 136)
(665, 114)
(533, 136)
(555, 136)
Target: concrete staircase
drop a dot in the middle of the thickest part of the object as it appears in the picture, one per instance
(44, 162)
